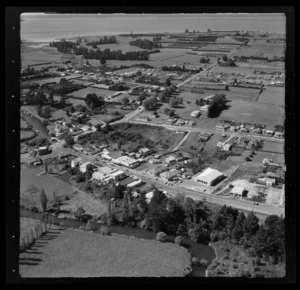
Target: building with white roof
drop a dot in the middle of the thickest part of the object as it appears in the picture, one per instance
(126, 161)
(135, 183)
(195, 113)
(118, 175)
(208, 177)
(238, 190)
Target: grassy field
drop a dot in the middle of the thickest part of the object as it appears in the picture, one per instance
(90, 90)
(30, 185)
(273, 95)
(26, 224)
(23, 124)
(24, 135)
(76, 253)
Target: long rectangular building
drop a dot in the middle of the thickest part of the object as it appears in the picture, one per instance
(209, 177)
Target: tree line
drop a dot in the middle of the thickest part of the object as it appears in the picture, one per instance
(104, 40)
(146, 44)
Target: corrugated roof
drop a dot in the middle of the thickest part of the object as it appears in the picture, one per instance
(209, 174)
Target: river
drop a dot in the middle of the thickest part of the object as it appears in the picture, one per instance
(200, 251)
(37, 125)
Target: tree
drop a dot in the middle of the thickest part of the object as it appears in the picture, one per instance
(125, 101)
(150, 103)
(89, 171)
(238, 231)
(102, 61)
(161, 237)
(87, 62)
(50, 99)
(79, 212)
(167, 111)
(179, 240)
(186, 30)
(69, 141)
(208, 30)
(224, 57)
(43, 200)
(173, 102)
(168, 82)
(250, 226)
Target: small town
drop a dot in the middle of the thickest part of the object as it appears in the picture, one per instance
(167, 144)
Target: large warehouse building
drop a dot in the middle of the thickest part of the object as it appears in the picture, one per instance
(209, 177)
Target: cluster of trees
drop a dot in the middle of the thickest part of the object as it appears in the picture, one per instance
(68, 47)
(63, 45)
(111, 55)
(204, 60)
(265, 58)
(216, 105)
(63, 87)
(175, 101)
(145, 44)
(28, 71)
(181, 69)
(118, 87)
(104, 40)
(94, 101)
(169, 112)
(149, 80)
(207, 38)
(227, 62)
(167, 93)
(201, 102)
(150, 104)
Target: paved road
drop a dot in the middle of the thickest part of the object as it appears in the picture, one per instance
(193, 190)
(129, 116)
(213, 131)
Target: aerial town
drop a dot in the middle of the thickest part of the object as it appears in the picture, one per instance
(174, 135)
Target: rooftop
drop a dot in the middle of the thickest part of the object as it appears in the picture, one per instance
(209, 175)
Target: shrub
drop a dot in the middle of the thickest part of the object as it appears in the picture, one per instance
(179, 240)
(161, 237)
(196, 261)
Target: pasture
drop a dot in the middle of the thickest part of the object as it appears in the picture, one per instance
(273, 95)
(92, 255)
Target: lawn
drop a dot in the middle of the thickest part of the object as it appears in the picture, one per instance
(76, 253)
(26, 135)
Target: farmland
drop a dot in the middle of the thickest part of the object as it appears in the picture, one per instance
(92, 255)
(273, 95)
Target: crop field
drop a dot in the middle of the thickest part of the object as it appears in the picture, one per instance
(266, 66)
(92, 255)
(273, 95)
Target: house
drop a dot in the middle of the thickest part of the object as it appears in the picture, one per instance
(126, 161)
(43, 150)
(154, 161)
(83, 166)
(273, 176)
(195, 114)
(269, 132)
(106, 170)
(279, 135)
(204, 137)
(99, 176)
(75, 162)
(118, 175)
(238, 190)
(267, 181)
(209, 177)
(85, 128)
(168, 175)
(149, 196)
(220, 128)
(78, 147)
(171, 159)
(210, 98)
(135, 183)
(227, 147)
(143, 118)
(34, 161)
(144, 151)
(204, 108)
(154, 115)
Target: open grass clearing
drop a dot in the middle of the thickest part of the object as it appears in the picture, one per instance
(90, 90)
(81, 254)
